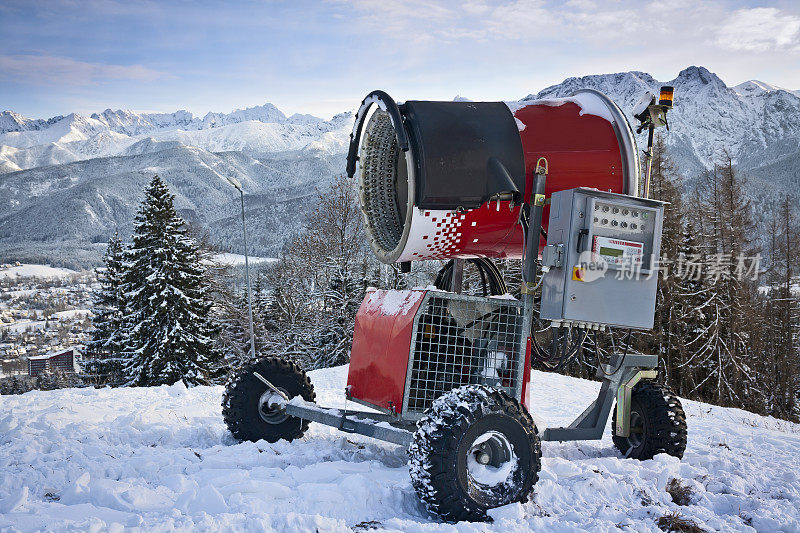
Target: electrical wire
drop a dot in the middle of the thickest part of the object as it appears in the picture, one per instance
(492, 282)
(624, 353)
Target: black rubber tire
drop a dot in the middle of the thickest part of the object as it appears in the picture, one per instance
(240, 403)
(442, 442)
(663, 423)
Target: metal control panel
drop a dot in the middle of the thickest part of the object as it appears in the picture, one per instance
(607, 246)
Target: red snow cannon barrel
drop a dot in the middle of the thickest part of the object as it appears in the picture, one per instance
(439, 180)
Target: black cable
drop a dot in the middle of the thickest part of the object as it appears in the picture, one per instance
(489, 274)
(624, 353)
(561, 354)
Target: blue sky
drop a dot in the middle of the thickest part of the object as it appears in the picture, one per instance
(61, 56)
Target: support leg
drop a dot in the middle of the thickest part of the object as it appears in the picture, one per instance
(592, 422)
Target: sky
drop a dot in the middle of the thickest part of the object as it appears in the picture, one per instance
(62, 56)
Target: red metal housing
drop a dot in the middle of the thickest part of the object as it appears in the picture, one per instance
(586, 141)
(381, 347)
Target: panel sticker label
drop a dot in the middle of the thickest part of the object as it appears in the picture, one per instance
(618, 252)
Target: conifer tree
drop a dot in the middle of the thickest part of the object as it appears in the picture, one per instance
(107, 340)
(170, 331)
(723, 351)
(107, 303)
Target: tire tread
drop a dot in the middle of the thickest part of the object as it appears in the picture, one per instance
(667, 422)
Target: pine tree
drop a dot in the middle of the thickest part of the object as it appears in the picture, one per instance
(107, 340)
(170, 331)
(107, 301)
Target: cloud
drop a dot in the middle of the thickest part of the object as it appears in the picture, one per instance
(760, 29)
(48, 70)
(481, 20)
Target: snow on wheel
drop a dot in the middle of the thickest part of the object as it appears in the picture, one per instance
(657, 421)
(476, 448)
(246, 405)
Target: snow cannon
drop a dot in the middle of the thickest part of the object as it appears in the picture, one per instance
(446, 373)
(441, 180)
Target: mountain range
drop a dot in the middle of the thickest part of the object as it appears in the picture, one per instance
(68, 182)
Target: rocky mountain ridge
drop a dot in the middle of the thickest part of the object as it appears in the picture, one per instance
(68, 182)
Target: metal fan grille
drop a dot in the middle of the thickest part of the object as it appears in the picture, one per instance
(384, 182)
(463, 340)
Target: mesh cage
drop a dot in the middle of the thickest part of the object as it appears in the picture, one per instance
(462, 340)
(383, 182)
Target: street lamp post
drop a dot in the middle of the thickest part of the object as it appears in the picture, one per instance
(238, 186)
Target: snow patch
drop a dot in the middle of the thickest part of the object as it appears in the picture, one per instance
(392, 302)
(39, 271)
(238, 259)
(589, 104)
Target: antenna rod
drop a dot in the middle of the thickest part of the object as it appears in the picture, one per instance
(238, 186)
(247, 279)
(649, 157)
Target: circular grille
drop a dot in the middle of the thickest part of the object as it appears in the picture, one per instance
(384, 186)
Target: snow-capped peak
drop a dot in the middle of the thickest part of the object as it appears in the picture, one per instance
(266, 113)
(11, 121)
(756, 87)
(261, 129)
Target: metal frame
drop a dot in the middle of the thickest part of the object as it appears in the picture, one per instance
(621, 371)
(372, 425)
(624, 393)
(619, 378)
(387, 104)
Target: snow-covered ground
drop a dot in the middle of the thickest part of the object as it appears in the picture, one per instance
(238, 259)
(161, 459)
(39, 271)
(21, 325)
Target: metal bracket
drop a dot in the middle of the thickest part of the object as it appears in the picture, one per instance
(553, 256)
(624, 392)
(590, 424)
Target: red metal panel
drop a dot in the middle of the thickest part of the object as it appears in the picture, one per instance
(582, 150)
(381, 344)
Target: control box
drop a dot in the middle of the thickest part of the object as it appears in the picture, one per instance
(602, 251)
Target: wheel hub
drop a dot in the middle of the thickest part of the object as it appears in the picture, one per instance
(636, 435)
(490, 459)
(270, 407)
